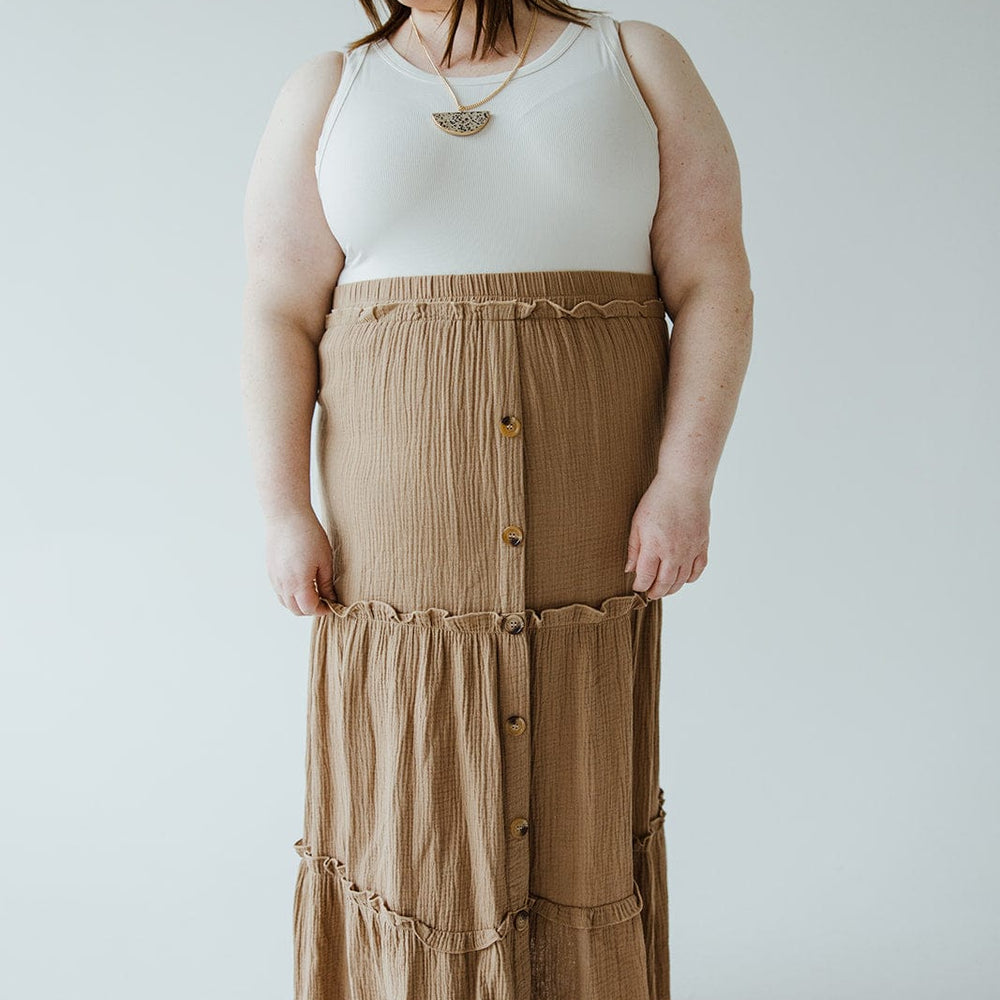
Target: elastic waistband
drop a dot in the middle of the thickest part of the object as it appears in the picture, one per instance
(499, 285)
(500, 295)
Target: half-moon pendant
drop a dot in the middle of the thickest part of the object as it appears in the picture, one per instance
(461, 122)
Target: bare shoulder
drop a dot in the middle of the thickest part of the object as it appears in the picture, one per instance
(285, 154)
(666, 76)
(310, 87)
(288, 144)
(645, 34)
(651, 43)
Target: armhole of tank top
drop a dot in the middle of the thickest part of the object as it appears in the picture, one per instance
(614, 43)
(349, 71)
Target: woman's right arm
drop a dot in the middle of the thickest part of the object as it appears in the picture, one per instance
(293, 262)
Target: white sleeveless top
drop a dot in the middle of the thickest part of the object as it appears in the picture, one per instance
(565, 175)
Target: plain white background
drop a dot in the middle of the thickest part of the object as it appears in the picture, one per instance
(830, 684)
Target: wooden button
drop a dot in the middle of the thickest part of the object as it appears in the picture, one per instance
(516, 724)
(519, 826)
(512, 535)
(510, 426)
(513, 624)
(521, 920)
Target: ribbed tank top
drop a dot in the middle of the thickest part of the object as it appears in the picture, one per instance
(565, 175)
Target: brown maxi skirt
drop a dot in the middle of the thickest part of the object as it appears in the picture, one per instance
(483, 816)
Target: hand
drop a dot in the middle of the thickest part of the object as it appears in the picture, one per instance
(668, 543)
(300, 562)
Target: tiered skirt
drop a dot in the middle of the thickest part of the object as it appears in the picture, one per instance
(484, 818)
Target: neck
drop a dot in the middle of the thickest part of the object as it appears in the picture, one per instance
(433, 23)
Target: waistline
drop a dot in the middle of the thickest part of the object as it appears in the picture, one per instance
(499, 295)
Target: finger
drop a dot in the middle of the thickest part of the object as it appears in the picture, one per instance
(699, 564)
(282, 600)
(324, 581)
(322, 608)
(632, 551)
(680, 578)
(308, 599)
(315, 604)
(293, 605)
(646, 569)
(666, 581)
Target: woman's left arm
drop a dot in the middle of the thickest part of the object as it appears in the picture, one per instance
(703, 274)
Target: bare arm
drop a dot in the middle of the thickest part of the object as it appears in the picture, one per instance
(293, 262)
(704, 279)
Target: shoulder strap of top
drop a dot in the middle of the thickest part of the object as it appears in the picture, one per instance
(351, 65)
(608, 28)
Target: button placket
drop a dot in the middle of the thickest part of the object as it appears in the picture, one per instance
(513, 660)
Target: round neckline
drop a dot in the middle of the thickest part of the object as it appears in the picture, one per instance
(562, 42)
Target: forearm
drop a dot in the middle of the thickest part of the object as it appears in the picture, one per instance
(709, 353)
(279, 377)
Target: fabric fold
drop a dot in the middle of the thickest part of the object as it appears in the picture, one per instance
(577, 613)
(590, 916)
(436, 938)
(640, 842)
(475, 939)
(493, 309)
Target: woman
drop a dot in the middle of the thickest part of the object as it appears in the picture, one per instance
(465, 233)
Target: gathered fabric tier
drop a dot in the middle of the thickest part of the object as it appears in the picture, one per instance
(483, 816)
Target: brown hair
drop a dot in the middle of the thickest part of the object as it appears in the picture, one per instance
(490, 15)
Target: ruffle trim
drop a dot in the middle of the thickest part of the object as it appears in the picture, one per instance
(539, 308)
(378, 611)
(453, 942)
(458, 942)
(640, 842)
(586, 917)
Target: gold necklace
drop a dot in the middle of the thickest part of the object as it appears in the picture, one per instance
(466, 121)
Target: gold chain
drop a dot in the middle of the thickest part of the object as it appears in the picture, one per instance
(468, 107)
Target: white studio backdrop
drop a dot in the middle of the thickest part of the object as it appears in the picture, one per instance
(830, 756)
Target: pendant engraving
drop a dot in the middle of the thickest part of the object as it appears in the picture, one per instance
(461, 122)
